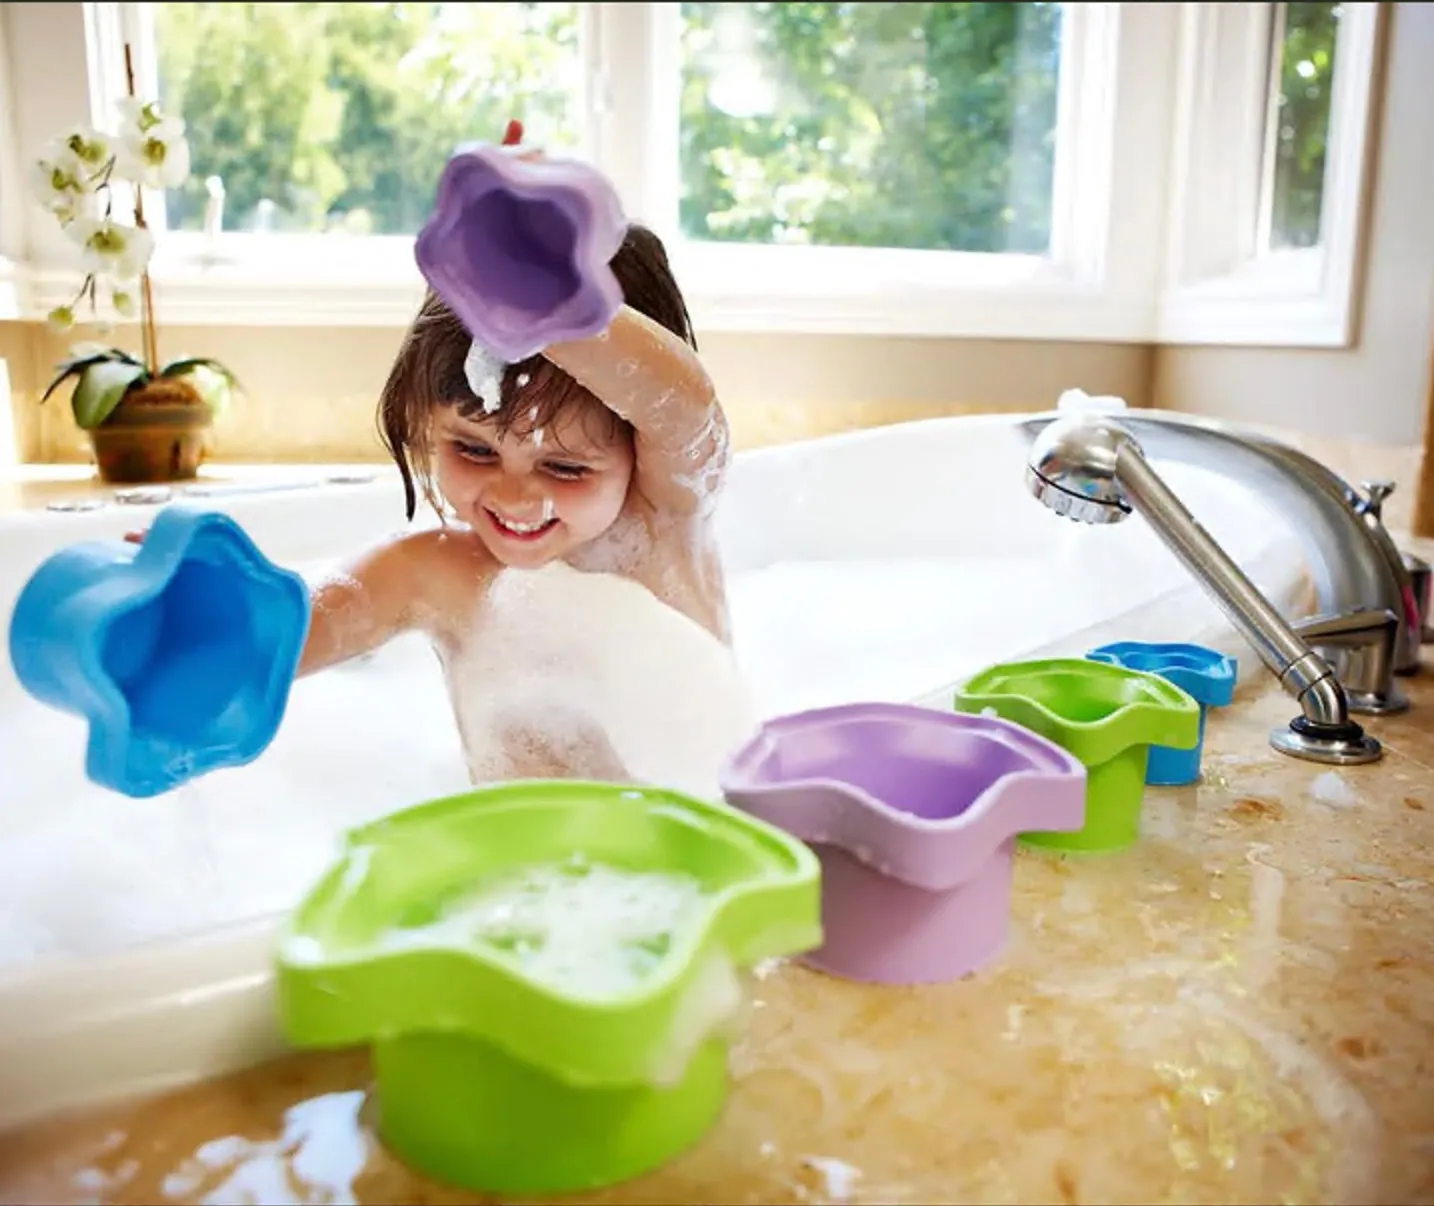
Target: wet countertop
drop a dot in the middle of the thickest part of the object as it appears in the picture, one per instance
(1239, 1009)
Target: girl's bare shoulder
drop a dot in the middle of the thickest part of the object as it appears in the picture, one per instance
(444, 569)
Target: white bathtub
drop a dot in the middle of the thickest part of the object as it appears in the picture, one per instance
(884, 564)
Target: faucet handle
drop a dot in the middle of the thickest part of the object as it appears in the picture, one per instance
(1349, 629)
(1360, 647)
(1375, 492)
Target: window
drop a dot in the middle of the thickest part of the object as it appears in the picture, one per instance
(924, 126)
(1272, 155)
(1303, 44)
(1097, 171)
(339, 116)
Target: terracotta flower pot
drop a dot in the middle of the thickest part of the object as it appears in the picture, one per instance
(159, 433)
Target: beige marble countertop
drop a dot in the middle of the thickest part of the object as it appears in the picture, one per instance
(1239, 1009)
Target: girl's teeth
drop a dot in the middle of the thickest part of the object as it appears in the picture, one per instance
(522, 529)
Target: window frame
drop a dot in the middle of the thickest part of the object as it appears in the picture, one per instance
(1132, 244)
(1222, 286)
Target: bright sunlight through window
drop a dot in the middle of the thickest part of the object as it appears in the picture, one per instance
(340, 116)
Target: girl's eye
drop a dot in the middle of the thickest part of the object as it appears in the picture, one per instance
(566, 471)
(471, 451)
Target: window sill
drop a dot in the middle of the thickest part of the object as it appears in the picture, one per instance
(371, 291)
(374, 283)
(1298, 298)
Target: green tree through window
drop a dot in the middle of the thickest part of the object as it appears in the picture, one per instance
(863, 124)
(1305, 66)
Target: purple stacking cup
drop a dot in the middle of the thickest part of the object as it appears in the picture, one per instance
(914, 815)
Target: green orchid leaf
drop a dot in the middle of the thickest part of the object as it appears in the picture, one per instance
(102, 387)
(66, 371)
(80, 358)
(215, 383)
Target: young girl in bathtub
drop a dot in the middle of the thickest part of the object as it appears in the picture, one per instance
(573, 593)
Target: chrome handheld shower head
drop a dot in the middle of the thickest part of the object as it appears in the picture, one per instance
(1072, 469)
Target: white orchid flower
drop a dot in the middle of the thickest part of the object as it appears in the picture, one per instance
(58, 182)
(111, 247)
(90, 147)
(156, 156)
(142, 116)
(124, 302)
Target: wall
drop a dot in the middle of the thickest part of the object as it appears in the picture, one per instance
(1375, 391)
(17, 351)
(312, 391)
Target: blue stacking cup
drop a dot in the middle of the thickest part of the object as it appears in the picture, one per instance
(180, 652)
(1206, 675)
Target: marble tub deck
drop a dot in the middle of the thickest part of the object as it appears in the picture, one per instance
(1239, 1009)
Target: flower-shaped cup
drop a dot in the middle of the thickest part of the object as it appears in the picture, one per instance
(550, 1041)
(1206, 675)
(914, 813)
(519, 248)
(1107, 716)
(180, 652)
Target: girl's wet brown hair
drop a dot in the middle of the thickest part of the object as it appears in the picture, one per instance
(428, 370)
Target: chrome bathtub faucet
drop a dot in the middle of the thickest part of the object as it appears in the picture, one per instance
(1091, 468)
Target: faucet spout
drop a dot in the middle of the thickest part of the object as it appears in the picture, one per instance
(1302, 672)
(1091, 469)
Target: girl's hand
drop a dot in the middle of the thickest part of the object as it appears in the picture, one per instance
(136, 537)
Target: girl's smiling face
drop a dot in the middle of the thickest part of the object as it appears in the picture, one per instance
(533, 496)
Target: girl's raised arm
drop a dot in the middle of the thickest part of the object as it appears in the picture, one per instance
(654, 380)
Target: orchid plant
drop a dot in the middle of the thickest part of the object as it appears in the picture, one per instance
(75, 181)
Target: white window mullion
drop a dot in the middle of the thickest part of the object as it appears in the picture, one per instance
(50, 80)
(133, 24)
(1111, 162)
(1219, 127)
(635, 112)
(1274, 61)
(1084, 188)
(13, 190)
(13, 180)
